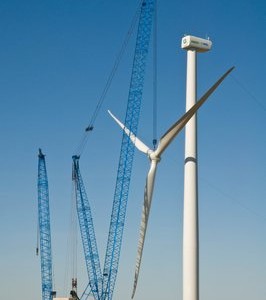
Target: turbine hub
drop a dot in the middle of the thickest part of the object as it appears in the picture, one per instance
(153, 156)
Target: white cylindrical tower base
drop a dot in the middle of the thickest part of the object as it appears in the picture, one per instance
(190, 222)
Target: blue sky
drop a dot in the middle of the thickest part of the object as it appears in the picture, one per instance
(55, 57)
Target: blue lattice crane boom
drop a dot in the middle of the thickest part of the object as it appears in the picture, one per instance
(44, 229)
(127, 150)
(87, 232)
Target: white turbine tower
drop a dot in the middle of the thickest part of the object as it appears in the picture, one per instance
(190, 218)
(154, 157)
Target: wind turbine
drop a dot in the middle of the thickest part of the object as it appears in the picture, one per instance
(154, 157)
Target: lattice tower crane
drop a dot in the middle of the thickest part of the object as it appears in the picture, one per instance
(102, 285)
(44, 230)
(87, 232)
(127, 151)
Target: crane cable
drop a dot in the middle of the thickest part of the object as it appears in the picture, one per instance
(73, 239)
(248, 92)
(90, 127)
(72, 244)
(38, 239)
(154, 141)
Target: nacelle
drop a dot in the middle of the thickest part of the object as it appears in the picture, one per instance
(190, 42)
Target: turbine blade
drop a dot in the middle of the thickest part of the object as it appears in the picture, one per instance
(136, 141)
(144, 219)
(172, 132)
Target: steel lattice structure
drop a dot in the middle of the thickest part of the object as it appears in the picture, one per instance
(127, 150)
(44, 228)
(87, 232)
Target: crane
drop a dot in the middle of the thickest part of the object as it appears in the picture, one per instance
(44, 229)
(127, 151)
(87, 232)
(102, 284)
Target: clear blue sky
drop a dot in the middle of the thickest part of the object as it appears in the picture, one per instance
(55, 57)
